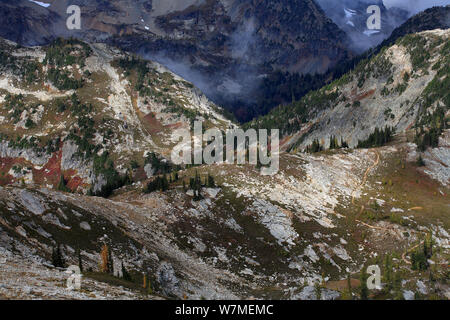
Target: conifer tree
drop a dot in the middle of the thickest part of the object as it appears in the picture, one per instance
(349, 285)
(110, 262)
(144, 281)
(125, 274)
(344, 144)
(318, 291)
(314, 147)
(211, 183)
(428, 246)
(420, 161)
(62, 185)
(106, 260)
(57, 257)
(388, 279)
(80, 262)
(397, 286)
(334, 143)
(363, 290)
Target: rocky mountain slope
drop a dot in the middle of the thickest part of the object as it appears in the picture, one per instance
(281, 89)
(225, 47)
(27, 279)
(84, 115)
(430, 19)
(321, 218)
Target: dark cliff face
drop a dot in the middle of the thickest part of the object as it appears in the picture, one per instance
(351, 16)
(430, 19)
(27, 23)
(289, 35)
(226, 47)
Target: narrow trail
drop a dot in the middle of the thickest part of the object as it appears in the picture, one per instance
(363, 182)
(366, 175)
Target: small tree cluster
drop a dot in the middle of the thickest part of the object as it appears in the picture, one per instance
(314, 147)
(157, 184)
(378, 138)
(363, 290)
(80, 260)
(174, 177)
(388, 276)
(419, 261)
(428, 138)
(435, 124)
(62, 185)
(160, 166)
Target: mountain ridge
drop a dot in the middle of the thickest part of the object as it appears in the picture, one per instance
(210, 43)
(71, 104)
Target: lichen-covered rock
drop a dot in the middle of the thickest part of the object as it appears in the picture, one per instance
(32, 202)
(167, 279)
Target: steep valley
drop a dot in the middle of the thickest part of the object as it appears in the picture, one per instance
(87, 178)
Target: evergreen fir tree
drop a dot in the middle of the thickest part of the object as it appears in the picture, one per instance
(397, 286)
(57, 257)
(388, 279)
(363, 290)
(344, 144)
(420, 161)
(149, 286)
(428, 246)
(333, 143)
(314, 147)
(80, 262)
(125, 274)
(62, 185)
(211, 183)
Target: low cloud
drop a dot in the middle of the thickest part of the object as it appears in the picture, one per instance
(415, 6)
